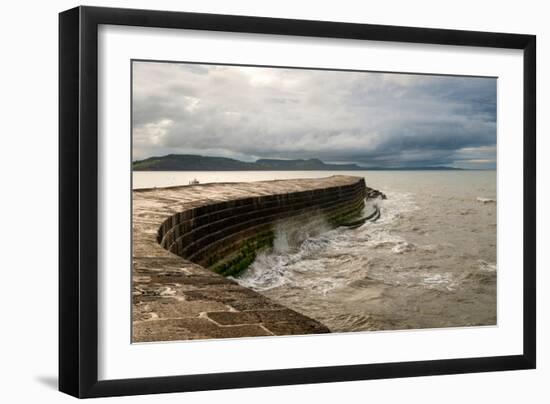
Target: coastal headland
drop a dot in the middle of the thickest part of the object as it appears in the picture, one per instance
(188, 239)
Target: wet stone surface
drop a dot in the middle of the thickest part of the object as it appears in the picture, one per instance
(176, 299)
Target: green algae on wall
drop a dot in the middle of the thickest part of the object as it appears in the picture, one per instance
(237, 262)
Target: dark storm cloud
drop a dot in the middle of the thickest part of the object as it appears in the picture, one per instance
(373, 119)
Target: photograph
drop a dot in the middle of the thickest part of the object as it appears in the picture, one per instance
(275, 201)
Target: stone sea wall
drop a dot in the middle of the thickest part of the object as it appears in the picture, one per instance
(187, 239)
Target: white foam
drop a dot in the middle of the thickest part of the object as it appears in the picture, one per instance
(285, 263)
(485, 200)
(439, 280)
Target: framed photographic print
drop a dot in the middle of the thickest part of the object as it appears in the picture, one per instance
(250, 201)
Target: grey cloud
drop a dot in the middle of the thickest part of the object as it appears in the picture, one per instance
(368, 118)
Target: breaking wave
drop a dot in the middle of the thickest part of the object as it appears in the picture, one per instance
(320, 259)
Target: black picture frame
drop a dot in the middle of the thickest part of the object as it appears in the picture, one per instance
(78, 200)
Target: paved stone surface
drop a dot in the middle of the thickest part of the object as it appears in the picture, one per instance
(176, 299)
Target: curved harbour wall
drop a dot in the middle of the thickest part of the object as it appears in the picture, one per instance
(186, 238)
(224, 236)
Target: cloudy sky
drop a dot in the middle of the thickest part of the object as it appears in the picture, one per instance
(372, 119)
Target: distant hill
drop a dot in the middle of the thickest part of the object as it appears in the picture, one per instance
(191, 162)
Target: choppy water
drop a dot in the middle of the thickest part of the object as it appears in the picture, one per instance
(429, 261)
